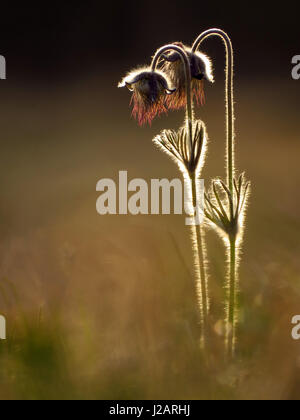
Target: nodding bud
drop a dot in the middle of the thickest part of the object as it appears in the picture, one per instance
(150, 90)
(201, 70)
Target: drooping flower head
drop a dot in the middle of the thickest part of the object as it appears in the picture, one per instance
(201, 70)
(150, 91)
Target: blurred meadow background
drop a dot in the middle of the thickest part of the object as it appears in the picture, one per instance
(103, 307)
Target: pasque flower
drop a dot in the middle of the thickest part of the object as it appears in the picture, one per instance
(201, 70)
(178, 83)
(150, 90)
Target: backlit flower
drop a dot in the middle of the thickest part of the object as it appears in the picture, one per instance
(150, 91)
(201, 70)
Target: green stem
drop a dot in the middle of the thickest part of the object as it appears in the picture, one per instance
(232, 301)
(229, 97)
(200, 257)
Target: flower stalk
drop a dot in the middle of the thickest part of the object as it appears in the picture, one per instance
(235, 196)
(203, 295)
(190, 172)
(232, 301)
(229, 102)
(188, 77)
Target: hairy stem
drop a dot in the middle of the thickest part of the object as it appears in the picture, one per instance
(200, 257)
(199, 254)
(187, 69)
(232, 300)
(231, 316)
(229, 97)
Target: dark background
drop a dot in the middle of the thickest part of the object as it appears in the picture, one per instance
(64, 40)
(104, 307)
